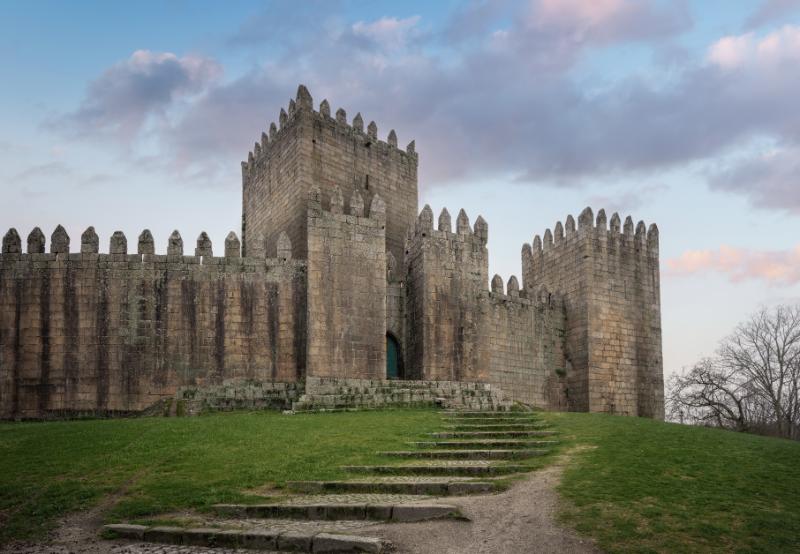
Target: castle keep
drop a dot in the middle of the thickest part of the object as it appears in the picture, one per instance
(338, 278)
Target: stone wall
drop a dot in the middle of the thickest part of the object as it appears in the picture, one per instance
(346, 288)
(89, 333)
(609, 278)
(525, 337)
(312, 148)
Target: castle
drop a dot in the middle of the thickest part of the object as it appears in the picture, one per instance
(338, 276)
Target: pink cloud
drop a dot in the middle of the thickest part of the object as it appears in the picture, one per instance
(605, 20)
(736, 51)
(776, 267)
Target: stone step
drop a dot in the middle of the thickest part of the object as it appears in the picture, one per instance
(484, 443)
(256, 539)
(496, 426)
(440, 469)
(488, 415)
(489, 420)
(438, 486)
(453, 454)
(491, 434)
(332, 511)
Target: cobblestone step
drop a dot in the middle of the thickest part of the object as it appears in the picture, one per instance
(484, 443)
(491, 434)
(475, 468)
(438, 486)
(332, 511)
(256, 539)
(454, 454)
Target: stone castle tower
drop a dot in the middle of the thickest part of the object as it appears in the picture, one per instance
(338, 278)
(312, 149)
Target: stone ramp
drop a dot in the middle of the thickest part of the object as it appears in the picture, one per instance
(322, 516)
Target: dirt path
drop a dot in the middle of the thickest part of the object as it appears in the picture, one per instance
(77, 532)
(520, 520)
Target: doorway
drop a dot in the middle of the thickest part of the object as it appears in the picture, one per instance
(392, 357)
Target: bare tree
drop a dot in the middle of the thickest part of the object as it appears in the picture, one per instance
(753, 382)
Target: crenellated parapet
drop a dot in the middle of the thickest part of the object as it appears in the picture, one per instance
(302, 106)
(595, 233)
(120, 251)
(475, 237)
(354, 212)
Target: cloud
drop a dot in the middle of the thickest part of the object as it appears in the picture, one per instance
(771, 10)
(779, 267)
(512, 82)
(122, 98)
(505, 99)
(627, 200)
(387, 33)
(747, 51)
(602, 21)
(47, 170)
(771, 180)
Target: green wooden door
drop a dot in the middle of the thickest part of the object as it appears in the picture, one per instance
(392, 352)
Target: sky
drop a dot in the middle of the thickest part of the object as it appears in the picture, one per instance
(685, 113)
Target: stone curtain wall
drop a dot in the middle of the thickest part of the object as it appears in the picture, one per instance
(346, 288)
(609, 277)
(88, 333)
(313, 148)
(446, 273)
(525, 341)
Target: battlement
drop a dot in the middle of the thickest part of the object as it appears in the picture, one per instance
(610, 237)
(303, 105)
(478, 234)
(118, 250)
(334, 206)
(540, 296)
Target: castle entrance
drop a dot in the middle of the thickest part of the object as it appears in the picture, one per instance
(392, 358)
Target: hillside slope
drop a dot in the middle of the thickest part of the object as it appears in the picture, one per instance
(638, 485)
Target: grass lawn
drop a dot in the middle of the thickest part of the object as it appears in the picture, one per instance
(50, 469)
(643, 486)
(633, 484)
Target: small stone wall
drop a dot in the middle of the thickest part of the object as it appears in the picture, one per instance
(237, 395)
(344, 394)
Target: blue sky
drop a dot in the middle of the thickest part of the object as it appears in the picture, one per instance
(683, 113)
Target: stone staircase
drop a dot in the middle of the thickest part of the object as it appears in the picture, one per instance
(333, 394)
(335, 516)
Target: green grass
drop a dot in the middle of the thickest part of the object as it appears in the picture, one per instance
(638, 485)
(163, 465)
(634, 485)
